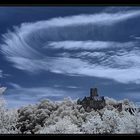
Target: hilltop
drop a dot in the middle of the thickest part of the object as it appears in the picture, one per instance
(67, 117)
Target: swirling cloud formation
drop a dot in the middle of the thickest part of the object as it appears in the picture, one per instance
(81, 45)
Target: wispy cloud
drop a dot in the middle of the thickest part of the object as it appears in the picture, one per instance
(0, 73)
(19, 95)
(15, 86)
(78, 67)
(99, 18)
(69, 86)
(36, 91)
(135, 37)
(89, 45)
(29, 47)
(26, 38)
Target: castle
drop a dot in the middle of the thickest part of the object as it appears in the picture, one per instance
(94, 101)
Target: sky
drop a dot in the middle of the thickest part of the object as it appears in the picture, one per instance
(59, 52)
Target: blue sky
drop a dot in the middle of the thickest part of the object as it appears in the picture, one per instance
(56, 52)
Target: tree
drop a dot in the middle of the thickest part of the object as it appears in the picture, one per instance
(63, 126)
(8, 119)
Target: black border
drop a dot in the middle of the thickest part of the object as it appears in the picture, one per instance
(69, 135)
(69, 3)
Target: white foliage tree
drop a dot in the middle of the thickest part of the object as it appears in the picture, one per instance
(129, 124)
(8, 119)
(63, 126)
(93, 125)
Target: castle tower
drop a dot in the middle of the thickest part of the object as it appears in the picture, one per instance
(93, 92)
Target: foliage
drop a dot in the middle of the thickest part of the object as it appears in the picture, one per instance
(66, 117)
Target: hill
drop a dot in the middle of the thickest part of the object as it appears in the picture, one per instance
(67, 117)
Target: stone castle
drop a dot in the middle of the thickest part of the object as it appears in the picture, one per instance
(94, 101)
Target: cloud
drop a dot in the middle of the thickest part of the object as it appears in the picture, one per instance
(36, 91)
(18, 95)
(68, 45)
(94, 54)
(0, 73)
(78, 67)
(26, 39)
(99, 18)
(15, 86)
(135, 37)
(88, 45)
(69, 86)
(4, 75)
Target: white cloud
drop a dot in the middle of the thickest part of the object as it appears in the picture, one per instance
(83, 54)
(137, 37)
(89, 45)
(0, 73)
(79, 67)
(91, 54)
(133, 36)
(29, 45)
(99, 18)
(21, 42)
(4, 75)
(36, 91)
(69, 86)
(72, 66)
(19, 96)
(15, 86)
(76, 66)
(72, 87)
(44, 91)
